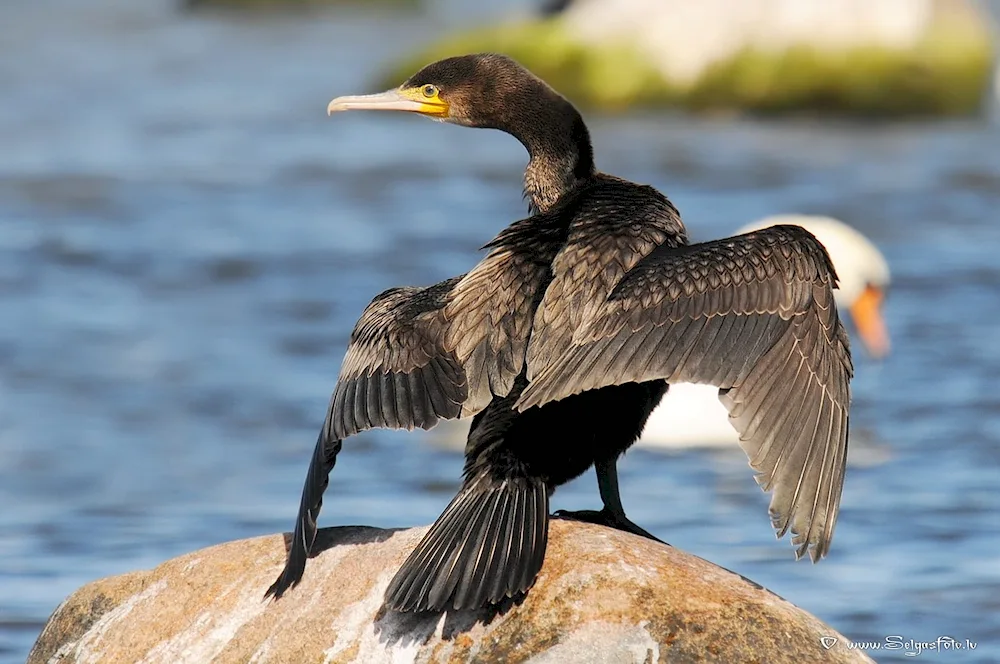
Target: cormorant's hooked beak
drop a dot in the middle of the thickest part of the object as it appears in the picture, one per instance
(867, 315)
(391, 100)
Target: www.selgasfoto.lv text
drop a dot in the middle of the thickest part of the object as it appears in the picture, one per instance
(908, 647)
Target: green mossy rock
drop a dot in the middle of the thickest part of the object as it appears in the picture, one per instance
(258, 5)
(607, 77)
(947, 73)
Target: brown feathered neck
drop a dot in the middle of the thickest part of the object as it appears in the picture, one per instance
(558, 144)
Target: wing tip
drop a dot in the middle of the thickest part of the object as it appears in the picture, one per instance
(817, 547)
(290, 577)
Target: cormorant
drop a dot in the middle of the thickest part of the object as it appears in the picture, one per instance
(564, 338)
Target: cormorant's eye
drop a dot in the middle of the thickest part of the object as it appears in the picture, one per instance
(429, 91)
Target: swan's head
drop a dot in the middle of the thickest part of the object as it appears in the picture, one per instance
(862, 271)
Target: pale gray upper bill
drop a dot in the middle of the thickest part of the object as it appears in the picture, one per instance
(390, 100)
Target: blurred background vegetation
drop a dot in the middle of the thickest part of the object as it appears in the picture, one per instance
(892, 58)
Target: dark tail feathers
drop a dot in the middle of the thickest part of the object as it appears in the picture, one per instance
(317, 478)
(487, 545)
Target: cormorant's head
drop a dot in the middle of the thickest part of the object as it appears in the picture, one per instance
(492, 91)
(481, 90)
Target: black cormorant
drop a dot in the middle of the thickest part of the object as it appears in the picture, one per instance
(564, 338)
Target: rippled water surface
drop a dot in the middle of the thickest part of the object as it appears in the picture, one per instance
(186, 240)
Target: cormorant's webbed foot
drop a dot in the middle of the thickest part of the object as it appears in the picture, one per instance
(605, 517)
(613, 514)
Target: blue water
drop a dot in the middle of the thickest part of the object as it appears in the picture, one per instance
(186, 240)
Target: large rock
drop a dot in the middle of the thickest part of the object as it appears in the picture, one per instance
(602, 596)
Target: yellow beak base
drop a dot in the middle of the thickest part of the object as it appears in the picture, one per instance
(411, 101)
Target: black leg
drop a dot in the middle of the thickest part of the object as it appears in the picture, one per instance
(613, 514)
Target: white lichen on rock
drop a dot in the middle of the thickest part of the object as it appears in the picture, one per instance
(88, 647)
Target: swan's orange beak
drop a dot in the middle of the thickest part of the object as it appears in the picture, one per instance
(867, 315)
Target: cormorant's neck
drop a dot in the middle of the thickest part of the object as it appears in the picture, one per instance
(558, 142)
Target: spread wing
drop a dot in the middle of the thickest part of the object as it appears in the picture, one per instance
(421, 354)
(396, 373)
(754, 315)
(418, 355)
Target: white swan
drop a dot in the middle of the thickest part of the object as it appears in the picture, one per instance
(692, 415)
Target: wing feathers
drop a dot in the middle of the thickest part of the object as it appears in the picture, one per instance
(421, 354)
(304, 536)
(753, 315)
